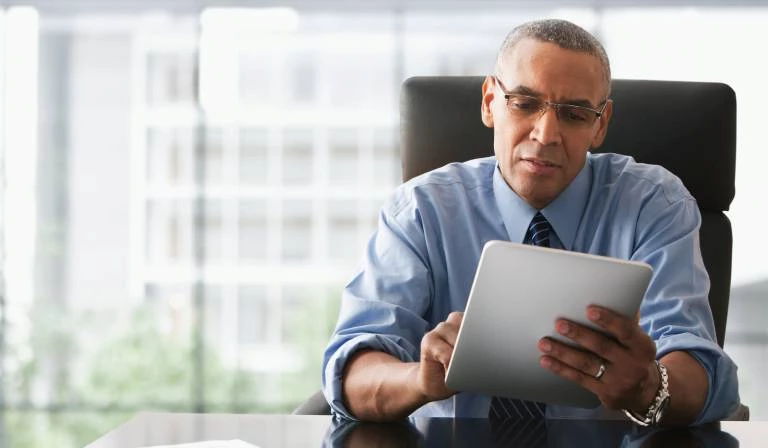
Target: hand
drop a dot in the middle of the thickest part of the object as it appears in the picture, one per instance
(631, 378)
(436, 351)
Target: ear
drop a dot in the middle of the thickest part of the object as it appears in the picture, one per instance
(485, 107)
(605, 118)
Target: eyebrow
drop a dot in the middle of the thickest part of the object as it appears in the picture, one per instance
(525, 90)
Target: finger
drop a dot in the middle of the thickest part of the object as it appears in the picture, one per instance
(603, 346)
(435, 348)
(584, 361)
(569, 373)
(625, 329)
(448, 331)
(455, 318)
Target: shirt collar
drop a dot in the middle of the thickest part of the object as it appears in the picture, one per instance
(564, 213)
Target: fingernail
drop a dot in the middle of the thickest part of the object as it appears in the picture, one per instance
(594, 314)
(546, 362)
(546, 346)
(564, 328)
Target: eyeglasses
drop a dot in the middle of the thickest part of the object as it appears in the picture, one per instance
(525, 106)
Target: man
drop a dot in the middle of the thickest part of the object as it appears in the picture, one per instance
(548, 105)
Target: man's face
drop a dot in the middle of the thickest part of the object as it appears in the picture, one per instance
(540, 153)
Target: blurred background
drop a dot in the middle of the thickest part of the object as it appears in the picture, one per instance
(187, 185)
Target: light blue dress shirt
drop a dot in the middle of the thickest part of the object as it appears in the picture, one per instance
(420, 263)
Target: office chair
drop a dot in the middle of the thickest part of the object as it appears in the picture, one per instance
(687, 127)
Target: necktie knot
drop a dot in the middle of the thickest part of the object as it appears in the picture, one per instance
(538, 231)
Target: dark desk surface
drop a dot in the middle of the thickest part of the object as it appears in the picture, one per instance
(274, 431)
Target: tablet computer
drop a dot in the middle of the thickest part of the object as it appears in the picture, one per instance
(518, 293)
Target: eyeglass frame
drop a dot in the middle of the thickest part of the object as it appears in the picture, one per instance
(547, 104)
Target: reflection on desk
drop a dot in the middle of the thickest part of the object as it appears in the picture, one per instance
(276, 431)
(441, 432)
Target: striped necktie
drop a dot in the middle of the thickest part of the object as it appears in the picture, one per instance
(538, 231)
(512, 408)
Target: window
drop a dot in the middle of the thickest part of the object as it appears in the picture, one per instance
(256, 74)
(213, 230)
(170, 78)
(297, 230)
(253, 230)
(169, 229)
(342, 230)
(253, 313)
(302, 75)
(214, 156)
(386, 161)
(254, 156)
(343, 157)
(170, 153)
(298, 157)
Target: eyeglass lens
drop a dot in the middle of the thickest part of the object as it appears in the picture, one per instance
(568, 114)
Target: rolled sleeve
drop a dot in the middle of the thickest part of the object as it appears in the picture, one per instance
(723, 392)
(338, 357)
(382, 307)
(676, 312)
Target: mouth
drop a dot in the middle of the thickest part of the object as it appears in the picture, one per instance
(540, 163)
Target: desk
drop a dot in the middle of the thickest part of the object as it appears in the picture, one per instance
(278, 431)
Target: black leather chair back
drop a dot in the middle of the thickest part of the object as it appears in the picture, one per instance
(687, 127)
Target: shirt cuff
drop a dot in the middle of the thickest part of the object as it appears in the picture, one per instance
(722, 393)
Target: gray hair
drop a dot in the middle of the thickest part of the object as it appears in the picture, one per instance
(562, 33)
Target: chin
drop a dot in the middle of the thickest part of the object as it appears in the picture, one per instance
(537, 197)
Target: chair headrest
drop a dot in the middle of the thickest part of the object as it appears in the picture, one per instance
(687, 127)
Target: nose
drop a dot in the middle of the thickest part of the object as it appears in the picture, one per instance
(546, 128)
